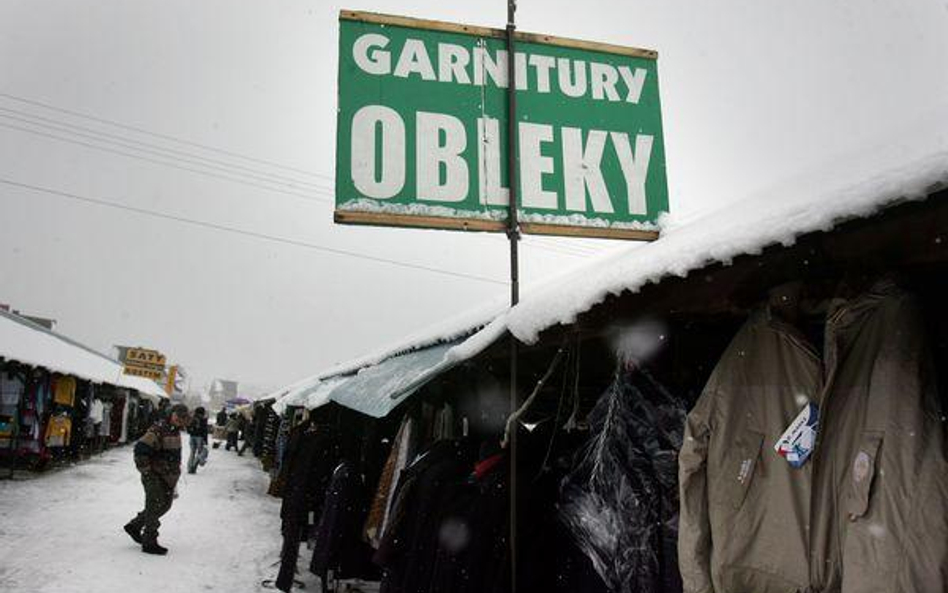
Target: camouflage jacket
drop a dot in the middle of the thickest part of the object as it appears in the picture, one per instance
(158, 452)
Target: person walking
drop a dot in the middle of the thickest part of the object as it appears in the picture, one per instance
(233, 432)
(246, 428)
(197, 430)
(158, 458)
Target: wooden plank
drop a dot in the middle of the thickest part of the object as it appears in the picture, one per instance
(538, 38)
(427, 222)
(606, 48)
(589, 232)
(412, 23)
(489, 226)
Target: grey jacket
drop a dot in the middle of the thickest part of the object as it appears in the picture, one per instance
(868, 513)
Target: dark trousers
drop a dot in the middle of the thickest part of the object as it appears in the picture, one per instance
(158, 497)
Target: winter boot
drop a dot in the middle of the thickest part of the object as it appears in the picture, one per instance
(150, 545)
(134, 531)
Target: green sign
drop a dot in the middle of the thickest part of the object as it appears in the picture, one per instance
(422, 130)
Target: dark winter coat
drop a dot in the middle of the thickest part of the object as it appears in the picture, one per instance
(411, 539)
(472, 553)
(337, 543)
(311, 455)
(198, 427)
(626, 484)
(158, 452)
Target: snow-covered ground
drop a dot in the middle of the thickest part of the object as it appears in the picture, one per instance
(62, 532)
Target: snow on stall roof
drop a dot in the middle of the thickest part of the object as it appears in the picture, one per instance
(310, 393)
(478, 325)
(744, 228)
(377, 390)
(26, 342)
(142, 385)
(459, 326)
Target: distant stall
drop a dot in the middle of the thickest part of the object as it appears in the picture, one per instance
(62, 400)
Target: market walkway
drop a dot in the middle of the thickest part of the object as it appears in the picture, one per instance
(62, 532)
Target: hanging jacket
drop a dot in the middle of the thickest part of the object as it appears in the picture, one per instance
(625, 484)
(58, 431)
(411, 539)
(64, 391)
(337, 542)
(867, 512)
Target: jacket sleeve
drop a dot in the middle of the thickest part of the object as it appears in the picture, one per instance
(145, 450)
(694, 537)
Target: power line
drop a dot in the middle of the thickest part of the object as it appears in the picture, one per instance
(167, 164)
(254, 234)
(124, 141)
(328, 199)
(159, 135)
(560, 248)
(98, 136)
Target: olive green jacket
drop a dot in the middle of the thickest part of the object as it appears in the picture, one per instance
(868, 512)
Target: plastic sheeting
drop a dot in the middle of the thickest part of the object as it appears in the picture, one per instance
(310, 395)
(621, 501)
(377, 390)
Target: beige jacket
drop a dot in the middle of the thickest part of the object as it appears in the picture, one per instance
(868, 513)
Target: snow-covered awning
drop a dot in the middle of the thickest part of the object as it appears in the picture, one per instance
(28, 343)
(386, 378)
(145, 387)
(375, 389)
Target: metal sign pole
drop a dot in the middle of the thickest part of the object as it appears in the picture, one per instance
(513, 234)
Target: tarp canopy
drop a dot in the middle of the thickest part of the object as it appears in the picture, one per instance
(312, 394)
(28, 343)
(376, 389)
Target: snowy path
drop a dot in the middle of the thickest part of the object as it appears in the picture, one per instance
(62, 532)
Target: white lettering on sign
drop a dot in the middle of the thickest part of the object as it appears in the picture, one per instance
(572, 78)
(481, 66)
(379, 62)
(542, 65)
(534, 165)
(452, 63)
(442, 173)
(634, 82)
(582, 170)
(376, 125)
(488, 163)
(414, 60)
(634, 167)
(603, 79)
(431, 154)
(496, 69)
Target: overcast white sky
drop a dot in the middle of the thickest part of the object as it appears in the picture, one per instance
(759, 98)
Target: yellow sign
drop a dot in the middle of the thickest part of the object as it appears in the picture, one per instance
(142, 372)
(142, 357)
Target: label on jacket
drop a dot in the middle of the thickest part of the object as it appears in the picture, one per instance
(798, 440)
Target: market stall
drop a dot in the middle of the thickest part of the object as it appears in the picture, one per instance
(821, 314)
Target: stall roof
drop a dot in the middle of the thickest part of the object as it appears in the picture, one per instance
(32, 344)
(744, 228)
(376, 390)
(377, 387)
